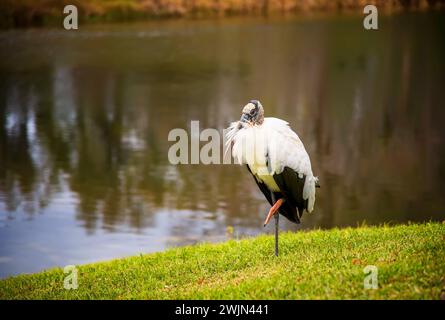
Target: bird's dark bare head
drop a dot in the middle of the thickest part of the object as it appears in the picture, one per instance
(253, 113)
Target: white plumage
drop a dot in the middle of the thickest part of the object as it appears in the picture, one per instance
(268, 148)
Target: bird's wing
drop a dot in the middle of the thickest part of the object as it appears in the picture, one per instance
(292, 188)
(287, 209)
(280, 146)
(264, 189)
(285, 150)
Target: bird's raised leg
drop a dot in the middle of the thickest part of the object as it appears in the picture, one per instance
(274, 209)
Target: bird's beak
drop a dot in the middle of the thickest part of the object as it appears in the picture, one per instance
(245, 118)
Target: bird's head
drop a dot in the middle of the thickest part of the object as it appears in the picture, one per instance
(253, 113)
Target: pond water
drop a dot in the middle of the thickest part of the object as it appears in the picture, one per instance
(85, 116)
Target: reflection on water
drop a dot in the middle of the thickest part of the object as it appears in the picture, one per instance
(84, 119)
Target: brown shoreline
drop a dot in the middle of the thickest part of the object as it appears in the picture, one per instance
(28, 13)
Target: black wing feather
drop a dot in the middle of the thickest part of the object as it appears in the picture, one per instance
(287, 209)
(291, 185)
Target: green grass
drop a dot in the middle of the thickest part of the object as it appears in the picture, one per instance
(315, 264)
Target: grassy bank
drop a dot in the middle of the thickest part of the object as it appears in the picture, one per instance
(316, 264)
(19, 13)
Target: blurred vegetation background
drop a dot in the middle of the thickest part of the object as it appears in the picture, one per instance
(26, 13)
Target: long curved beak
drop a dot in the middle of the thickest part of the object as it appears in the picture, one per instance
(245, 118)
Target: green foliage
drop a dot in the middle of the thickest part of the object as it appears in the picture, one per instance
(311, 265)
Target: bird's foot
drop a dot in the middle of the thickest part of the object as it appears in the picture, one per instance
(273, 210)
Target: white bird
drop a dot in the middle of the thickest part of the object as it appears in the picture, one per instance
(277, 159)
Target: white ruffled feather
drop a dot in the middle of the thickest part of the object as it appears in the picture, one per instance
(275, 140)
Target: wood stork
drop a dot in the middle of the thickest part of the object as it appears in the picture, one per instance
(278, 161)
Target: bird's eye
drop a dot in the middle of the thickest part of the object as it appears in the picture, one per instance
(252, 112)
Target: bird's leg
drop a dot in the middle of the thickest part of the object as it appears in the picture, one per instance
(277, 216)
(274, 209)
